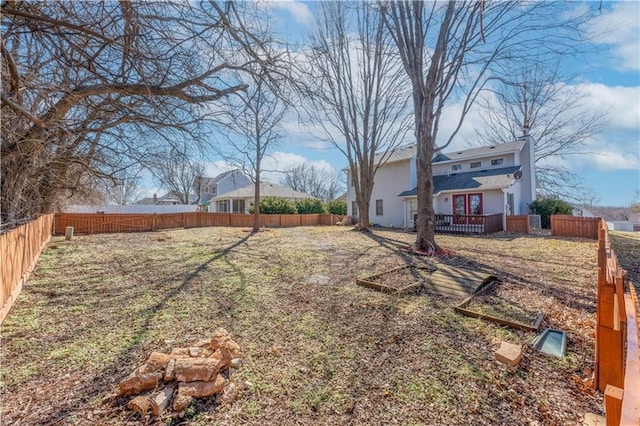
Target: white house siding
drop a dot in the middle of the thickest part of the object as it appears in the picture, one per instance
(232, 182)
(445, 168)
(390, 181)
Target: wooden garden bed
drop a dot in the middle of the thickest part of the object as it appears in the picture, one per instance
(502, 303)
(398, 280)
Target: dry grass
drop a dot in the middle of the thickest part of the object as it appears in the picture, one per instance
(626, 245)
(318, 352)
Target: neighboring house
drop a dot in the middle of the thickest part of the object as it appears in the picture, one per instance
(168, 199)
(240, 200)
(223, 183)
(486, 180)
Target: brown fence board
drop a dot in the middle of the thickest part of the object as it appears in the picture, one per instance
(574, 226)
(617, 357)
(519, 224)
(20, 248)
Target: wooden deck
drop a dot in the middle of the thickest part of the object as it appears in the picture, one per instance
(442, 279)
(457, 282)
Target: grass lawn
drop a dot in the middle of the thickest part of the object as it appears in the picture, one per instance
(626, 245)
(320, 349)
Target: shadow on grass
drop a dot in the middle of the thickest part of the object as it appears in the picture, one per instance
(109, 375)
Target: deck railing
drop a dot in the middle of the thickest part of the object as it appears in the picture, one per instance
(466, 223)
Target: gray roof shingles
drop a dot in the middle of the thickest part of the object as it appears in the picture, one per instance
(478, 180)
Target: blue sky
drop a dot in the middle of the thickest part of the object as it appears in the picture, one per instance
(609, 79)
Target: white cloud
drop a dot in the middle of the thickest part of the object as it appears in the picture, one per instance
(622, 103)
(298, 10)
(608, 161)
(619, 27)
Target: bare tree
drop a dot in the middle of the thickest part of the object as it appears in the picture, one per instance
(123, 188)
(319, 183)
(356, 92)
(86, 84)
(450, 51)
(252, 123)
(179, 174)
(539, 98)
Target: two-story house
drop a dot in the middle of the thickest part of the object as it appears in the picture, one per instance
(479, 181)
(226, 182)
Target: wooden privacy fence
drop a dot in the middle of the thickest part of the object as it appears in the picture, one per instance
(93, 223)
(573, 226)
(20, 250)
(519, 224)
(617, 362)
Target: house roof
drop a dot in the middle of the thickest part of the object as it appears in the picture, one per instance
(406, 152)
(400, 153)
(483, 151)
(214, 180)
(267, 189)
(477, 180)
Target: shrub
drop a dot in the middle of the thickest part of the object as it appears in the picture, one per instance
(310, 205)
(273, 205)
(338, 207)
(546, 207)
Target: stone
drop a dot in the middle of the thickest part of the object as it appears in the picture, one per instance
(509, 354)
(202, 343)
(222, 356)
(196, 369)
(140, 370)
(229, 394)
(236, 363)
(219, 336)
(181, 402)
(318, 279)
(179, 351)
(157, 361)
(194, 351)
(161, 401)
(170, 371)
(591, 419)
(137, 384)
(140, 404)
(202, 389)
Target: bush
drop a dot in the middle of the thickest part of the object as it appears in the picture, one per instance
(338, 207)
(310, 205)
(273, 205)
(546, 207)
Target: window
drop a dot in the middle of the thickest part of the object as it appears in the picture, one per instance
(238, 206)
(378, 207)
(475, 165)
(222, 206)
(456, 167)
(354, 208)
(497, 161)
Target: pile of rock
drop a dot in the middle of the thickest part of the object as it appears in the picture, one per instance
(173, 380)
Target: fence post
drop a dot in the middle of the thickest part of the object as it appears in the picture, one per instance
(613, 405)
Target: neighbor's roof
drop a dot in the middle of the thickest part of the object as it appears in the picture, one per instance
(214, 180)
(267, 189)
(478, 180)
(400, 153)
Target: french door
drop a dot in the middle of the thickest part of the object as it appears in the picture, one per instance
(467, 204)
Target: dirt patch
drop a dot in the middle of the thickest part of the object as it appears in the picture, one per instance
(335, 353)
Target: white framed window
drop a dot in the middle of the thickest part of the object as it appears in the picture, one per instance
(497, 162)
(238, 206)
(379, 208)
(475, 164)
(456, 167)
(222, 206)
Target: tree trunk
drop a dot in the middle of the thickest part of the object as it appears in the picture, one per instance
(425, 226)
